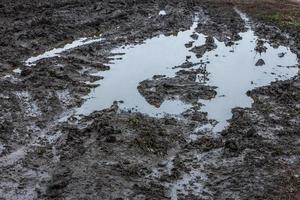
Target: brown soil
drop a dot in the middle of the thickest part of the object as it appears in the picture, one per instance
(117, 154)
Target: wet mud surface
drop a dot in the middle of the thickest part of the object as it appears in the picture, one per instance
(49, 151)
(183, 85)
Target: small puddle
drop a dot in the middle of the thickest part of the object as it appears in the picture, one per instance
(234, 73)
(231, 69)
(162, 13)
(57, 51)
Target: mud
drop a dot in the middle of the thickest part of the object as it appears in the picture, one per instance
(129, 146)
(208, 46)
(124, 154)
(183, 85)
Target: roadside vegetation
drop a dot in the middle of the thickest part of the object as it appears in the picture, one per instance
(285, 14)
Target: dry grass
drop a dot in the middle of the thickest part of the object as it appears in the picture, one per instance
(283, 13)
(280, 12)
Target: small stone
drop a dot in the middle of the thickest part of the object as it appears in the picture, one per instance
(281, 55)
(26, 72)
(162, 163)
(194, 36)
(189, 44)
(229, 43)
(260, 62)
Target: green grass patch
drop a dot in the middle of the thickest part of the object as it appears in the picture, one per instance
(282, 19)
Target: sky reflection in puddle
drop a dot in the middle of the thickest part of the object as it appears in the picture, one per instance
(231, 69)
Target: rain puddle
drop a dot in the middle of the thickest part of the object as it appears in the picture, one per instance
(155, 56)
(234, 73)
(232, 69)
(162, 13)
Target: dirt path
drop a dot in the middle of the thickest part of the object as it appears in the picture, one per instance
(124, 154)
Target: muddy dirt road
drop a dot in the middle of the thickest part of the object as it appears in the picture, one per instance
(148, 100)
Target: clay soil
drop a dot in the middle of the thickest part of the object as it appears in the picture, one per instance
(120, 154)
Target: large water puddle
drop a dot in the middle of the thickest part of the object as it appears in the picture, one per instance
(156, 56)
(231, 69)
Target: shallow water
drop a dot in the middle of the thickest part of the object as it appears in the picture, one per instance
(155, 56)
(57, 51)
(232, 70)
(162, 13)
(234, 73)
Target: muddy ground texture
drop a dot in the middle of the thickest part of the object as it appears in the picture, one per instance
(117, 154)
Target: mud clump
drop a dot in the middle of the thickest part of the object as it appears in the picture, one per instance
(183, 86)
(224, 23)
(207, 143)
(141, 143)
(186, 64)
(208, 46)
(260, 48)
(263, 139)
